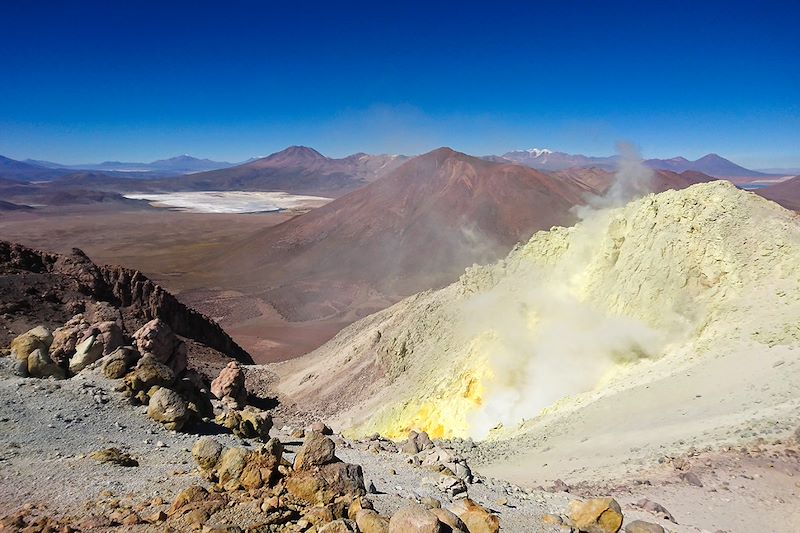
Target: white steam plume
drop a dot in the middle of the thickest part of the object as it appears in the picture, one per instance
(541, 340)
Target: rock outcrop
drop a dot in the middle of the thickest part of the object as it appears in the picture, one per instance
(52, 288)
(319, 477)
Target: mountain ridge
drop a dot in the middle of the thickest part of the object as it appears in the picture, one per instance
(711, 164)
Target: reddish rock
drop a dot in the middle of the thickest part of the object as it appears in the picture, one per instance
(230, 384)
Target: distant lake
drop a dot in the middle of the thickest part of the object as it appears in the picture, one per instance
(230, 201)
(754, 186)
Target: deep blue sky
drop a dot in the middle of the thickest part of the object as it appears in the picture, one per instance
(90, 81)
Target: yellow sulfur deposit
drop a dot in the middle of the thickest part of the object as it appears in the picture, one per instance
(442, 416)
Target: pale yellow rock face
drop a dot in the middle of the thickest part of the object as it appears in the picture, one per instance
(706, 277)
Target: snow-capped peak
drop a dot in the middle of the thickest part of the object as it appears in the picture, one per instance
(536, 152)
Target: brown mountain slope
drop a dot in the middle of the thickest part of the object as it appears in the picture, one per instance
(785, 193)
(415, 229)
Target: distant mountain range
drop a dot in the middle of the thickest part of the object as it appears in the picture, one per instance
(711, 164)
(20, 171)
(257, 173)
(182, 164)
(297, 169)
(544, 159)
(793, 171)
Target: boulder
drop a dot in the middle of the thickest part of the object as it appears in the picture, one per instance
(598, 515)
(341, 525)
(230, 384)
(476, 518)
(157, 339)
(368, 521)
(416, 442)
(248, 423)
(188, 496)
(38, 338)
(320, 427)
(356, 505)
(86, 352)
(261, 466)
(449, 519)
(116, 364)
(67, 337)
(319, 515)
(206, 453)
(39, 365)
(323, 484)
(655, 508)
(231, 465)
(109, 334)
(317, 450)
(167, 407)
(414, 518)
(148, 373)
(639, 526)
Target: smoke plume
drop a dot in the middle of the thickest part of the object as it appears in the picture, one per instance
(541, 340)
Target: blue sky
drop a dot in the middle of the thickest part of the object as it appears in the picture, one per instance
(91, 81)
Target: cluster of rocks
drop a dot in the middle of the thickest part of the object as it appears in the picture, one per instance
(82, 340)
(439, 457)
(152, 367)
(45, 288)
(32, 519)
(314, 493)
(598, 515)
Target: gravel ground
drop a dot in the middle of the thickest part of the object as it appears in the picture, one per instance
(47, 429)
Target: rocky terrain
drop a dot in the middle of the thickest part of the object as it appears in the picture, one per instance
(587, 354)
(411, 225)
(50, 289)
(145, 420)
(97, 462)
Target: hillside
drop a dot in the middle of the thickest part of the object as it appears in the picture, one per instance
(786, 193)
(597, 180)
(416, 228)
(41, 288)
(606, 330)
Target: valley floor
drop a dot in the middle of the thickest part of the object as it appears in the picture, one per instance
(176, 250)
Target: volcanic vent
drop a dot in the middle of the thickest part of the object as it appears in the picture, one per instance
(702, 280)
